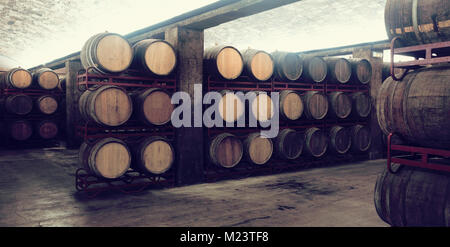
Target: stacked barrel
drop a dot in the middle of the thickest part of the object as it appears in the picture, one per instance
(323, 106)
(31, 106)
(131, 115)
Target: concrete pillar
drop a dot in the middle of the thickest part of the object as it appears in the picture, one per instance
(72, 95)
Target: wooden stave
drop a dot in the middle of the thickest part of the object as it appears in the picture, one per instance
(139, 50)
(47, 121)
(7, 104)
(6, 81)
(248, 56)
(139, 163)
(280, 70)
(308, 134)
(283, 95)
(356, 77)
(332, 75)
(210, 62)
(214, 144)
(36, 78)
(333, 146)
(279, 145)
(37, 102)
(356, 110)
(306, 98)
(332, 99)
(248, 141)
(307, 63)
(138, 99)
(354, 131)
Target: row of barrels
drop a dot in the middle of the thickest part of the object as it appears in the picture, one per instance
(228, 63)
(111, 157)
(23, 104)
(227, 150)
(312, 105)
(23, 130)
(19, 78)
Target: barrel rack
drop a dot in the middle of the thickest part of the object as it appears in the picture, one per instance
(275, 165)
(131, 132)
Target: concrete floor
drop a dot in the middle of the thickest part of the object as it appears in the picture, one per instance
(37, 189)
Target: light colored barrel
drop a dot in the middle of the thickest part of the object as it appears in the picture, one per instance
(316, 105)
(316, 142)
(340, 140)
(262, 107)
(16, 78)
(258, 64)
(18, 104)
(153, 106)
(107, 53)
(223, 61)
(154, 56)
(154, 155)
(47, 129)
(226, 150)
(340, 104)
(45, 78)
(340, 70)
(362, 104)
(258, 149)
(107, 105)
(289, 144)
(361, 138)
(107, 158)
(291, 105)
(288, 66)
(231, 107)
(47, 104)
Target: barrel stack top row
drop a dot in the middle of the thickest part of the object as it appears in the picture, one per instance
(19, 78)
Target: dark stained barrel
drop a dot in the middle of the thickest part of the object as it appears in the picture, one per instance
(153, 106)
(386, 71)
(18, 104)
(258, 64)
(107, 53)
(154, 155)
(340, 140)
(45, 78)
(223, 61)
(340, 104)
(418, 107)
(315, 69)
(413, 197)
(362, 104)
(62, 84)
(20, 130)
(257, 149)
(418, 21)
(316, 142)
(361, 138)
(288, 66)
(47, 129)
(316, 105)
(154, 56)
(289, 144)
(226, 150)
(339, 70)
(107, 105)
(361, 70)
(16, 78)
(106, 158)
(291, 105)
(47, 104)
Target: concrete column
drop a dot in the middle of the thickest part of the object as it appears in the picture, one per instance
(72, 95)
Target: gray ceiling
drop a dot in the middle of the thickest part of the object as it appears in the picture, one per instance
(37, 31)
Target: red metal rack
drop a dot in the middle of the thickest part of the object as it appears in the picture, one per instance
(416, 156)
(424, 55)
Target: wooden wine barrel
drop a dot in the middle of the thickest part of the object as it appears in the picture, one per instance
(289, 144)
(315, 69)
(20, 130)
(153, 106)
(258, 149)
(288, 66)
(316, 142)
(107, 105)
(340, 104)
(362, 104)
(258, 64)
(316, 105)
(340, 140)
(47, 104)
(413, 197)
(106, 53)
(45, 78)
(231, 107)
(418, 22)
(16, 78)
(18, 104)
(154, 56)
(262, 107)
(291, 105)
(226, 150)
(386, 71)
(224, 61)
(340, 69)
(418, 107)
(62, 84)
(47, 129)
(107, 158)
(361, 70)
(154, 155)
(361, 138)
